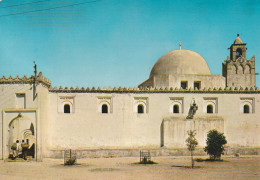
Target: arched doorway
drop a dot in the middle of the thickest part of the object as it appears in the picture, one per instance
(21, 128)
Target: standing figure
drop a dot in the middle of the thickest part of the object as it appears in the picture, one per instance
(24, 149)
(14, 148)
(193, 109)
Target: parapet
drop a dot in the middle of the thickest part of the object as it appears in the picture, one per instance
(231, 90)
(26, 80)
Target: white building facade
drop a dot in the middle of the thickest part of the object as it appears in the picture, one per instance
(152, 116)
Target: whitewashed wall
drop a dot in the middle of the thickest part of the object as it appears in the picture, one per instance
(87, 128)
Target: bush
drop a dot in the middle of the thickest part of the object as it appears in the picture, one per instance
(70, 161)
(215, 144)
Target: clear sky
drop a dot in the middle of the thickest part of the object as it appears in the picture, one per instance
(116, 42)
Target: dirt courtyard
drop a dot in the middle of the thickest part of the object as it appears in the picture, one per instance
(172, 167)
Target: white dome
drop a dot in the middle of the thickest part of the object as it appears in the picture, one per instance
(180, 61)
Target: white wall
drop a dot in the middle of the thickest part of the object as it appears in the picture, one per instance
(87, 128)
(207, 81)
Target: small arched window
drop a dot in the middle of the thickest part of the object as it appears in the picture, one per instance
(246, 109)
(140, 109)
(66, 108)
(176, 109)
(104, 109)
(238, 52)
(209, 109)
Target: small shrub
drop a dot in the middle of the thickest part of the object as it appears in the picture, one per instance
(70, 161)
(215, 144)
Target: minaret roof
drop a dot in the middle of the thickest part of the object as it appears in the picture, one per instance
(238, 40)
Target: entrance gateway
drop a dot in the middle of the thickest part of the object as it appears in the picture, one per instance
(19, 125)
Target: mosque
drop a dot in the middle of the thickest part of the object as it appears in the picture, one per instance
(155, 115)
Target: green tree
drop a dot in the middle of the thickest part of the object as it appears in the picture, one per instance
(215, 144)
(191, 143)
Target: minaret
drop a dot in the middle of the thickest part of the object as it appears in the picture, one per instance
(238, 49)
(238, 71)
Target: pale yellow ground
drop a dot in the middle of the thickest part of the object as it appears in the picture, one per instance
(125, 168)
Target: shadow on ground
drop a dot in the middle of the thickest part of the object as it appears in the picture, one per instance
(75, 165)
(210, 160)
(144, 163)
(104, 169)
(188, 167)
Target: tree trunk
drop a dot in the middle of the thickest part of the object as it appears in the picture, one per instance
(192, 162)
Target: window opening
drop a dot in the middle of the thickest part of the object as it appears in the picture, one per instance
(238, 52)
(66, 108)
(140, 109)
(104, 108)
(197, 85)
(184, 84)
(176, 108)
(246, 109)
(209, 109)
(20, 100)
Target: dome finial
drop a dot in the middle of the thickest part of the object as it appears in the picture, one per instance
(237, 35)
(180, 45)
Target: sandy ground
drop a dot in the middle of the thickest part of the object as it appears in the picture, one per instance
(247, 167)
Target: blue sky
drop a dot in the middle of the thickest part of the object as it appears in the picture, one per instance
(116, 42)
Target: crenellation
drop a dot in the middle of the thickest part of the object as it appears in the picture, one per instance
(17, 77)
(24, 77)
(157, 90)
(252, 59)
